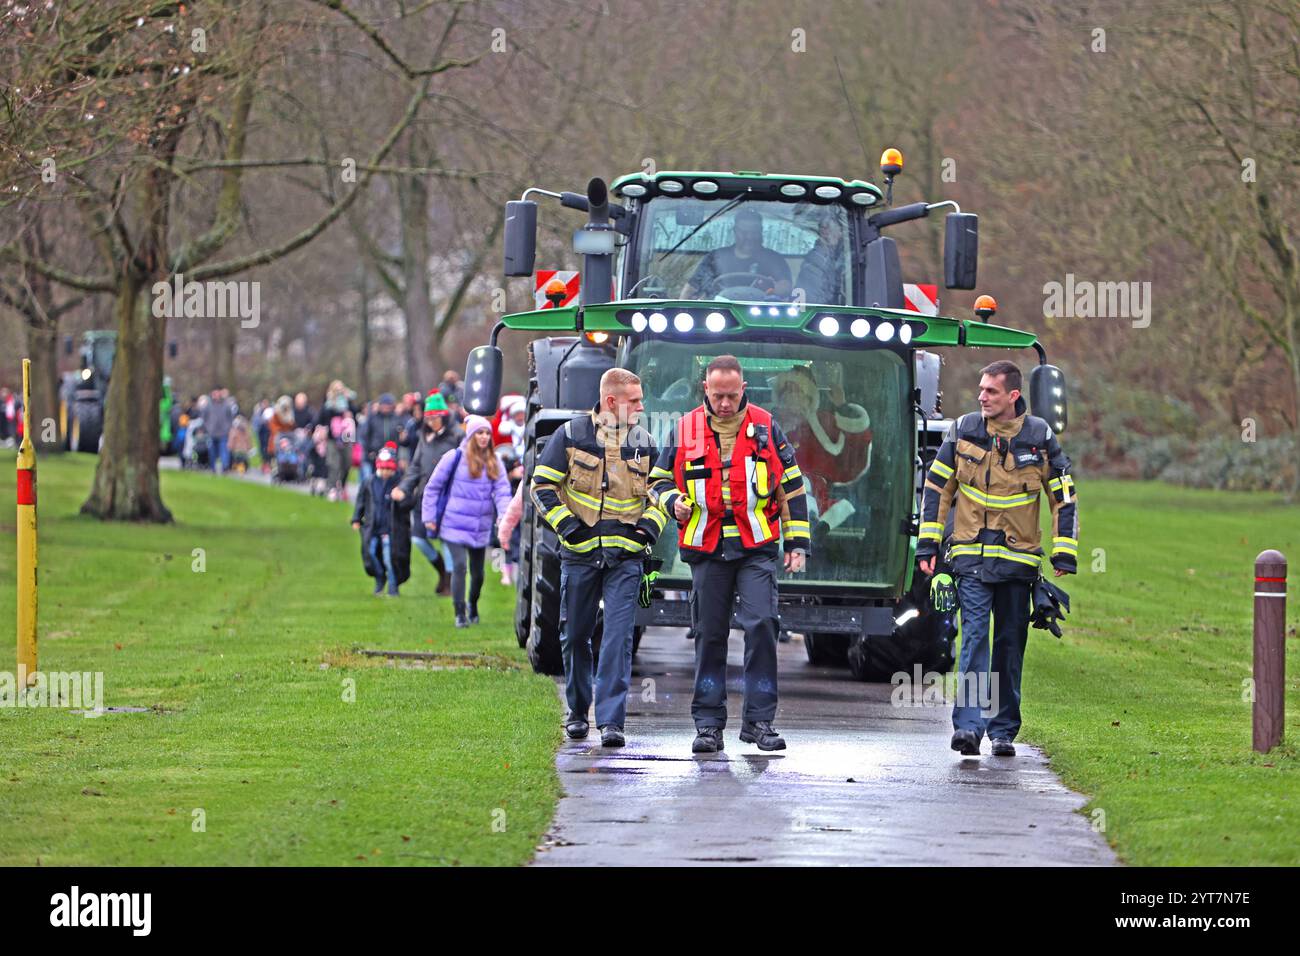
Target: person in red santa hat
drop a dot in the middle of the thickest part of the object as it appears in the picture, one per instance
(833, 446)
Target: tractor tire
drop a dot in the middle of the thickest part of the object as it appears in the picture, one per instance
(524, 571)
(87, 423)
(922, 640)
(826, 649)
(543, 643)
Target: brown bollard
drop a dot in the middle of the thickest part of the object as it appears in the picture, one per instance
(1270, 650)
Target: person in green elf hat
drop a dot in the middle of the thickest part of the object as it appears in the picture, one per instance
(438, 435)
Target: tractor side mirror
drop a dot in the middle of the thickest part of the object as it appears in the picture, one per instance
(1048, 396)
(483, 379)
(961, 249)
(521, 237)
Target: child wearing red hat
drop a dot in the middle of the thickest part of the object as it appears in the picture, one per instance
(384, 525)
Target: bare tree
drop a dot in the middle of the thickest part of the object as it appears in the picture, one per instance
(127, 84)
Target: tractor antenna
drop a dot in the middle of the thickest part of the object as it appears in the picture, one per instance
(853, 115)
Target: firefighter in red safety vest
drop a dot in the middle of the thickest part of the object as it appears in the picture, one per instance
(730, 479)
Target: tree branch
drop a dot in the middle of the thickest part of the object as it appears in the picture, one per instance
(262, 257)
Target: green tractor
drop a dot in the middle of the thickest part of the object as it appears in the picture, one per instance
(793, 276)
(82, 395)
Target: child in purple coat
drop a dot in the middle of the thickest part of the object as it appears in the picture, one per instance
(467, 490)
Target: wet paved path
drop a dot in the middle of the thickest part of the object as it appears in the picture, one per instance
(862, 782)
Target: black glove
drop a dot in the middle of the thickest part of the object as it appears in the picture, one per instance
(1050, 606)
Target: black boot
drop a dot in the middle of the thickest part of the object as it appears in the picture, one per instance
(473, 612)
(762, 733)
(708, 740)
(461, 620)
(444, 581)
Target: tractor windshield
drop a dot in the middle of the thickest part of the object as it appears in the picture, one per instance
(742, 251)
(845, 411)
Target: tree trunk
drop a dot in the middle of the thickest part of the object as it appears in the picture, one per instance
(421, 372)
(223, 353)
(126, 476)
(363, 379)
(43, 350)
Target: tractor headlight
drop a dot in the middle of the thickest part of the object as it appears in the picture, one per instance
(715, 322)
(683, 321)
(658, 322)
(860, 328)
(904, 333)
(828, 325)
(639, 322)
(885, 331)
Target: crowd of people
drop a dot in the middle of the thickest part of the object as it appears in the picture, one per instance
(430, 478)
(11, 418)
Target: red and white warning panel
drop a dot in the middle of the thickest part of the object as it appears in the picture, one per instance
(921, 298)
(569, 280)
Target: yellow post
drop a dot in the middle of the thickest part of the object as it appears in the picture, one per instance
(27, 540)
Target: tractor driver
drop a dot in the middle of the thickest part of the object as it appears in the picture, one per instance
(746, 262)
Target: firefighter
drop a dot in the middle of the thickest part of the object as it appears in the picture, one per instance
(990, 471)
(590, 486)
(729, 478)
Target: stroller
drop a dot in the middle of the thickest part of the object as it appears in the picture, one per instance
(288, 460)
(198, 446)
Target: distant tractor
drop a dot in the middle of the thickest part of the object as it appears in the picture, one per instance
(673, 275)
(82, 395)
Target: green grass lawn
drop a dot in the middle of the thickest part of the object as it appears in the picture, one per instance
(246, 666)
(1140, 705)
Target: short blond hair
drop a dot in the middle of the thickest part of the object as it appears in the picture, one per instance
(617, 378)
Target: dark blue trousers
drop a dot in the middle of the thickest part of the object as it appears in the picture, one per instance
(988, 685)
(582, 588)
(716, 584)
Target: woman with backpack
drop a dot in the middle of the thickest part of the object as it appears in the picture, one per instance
(467, 489)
